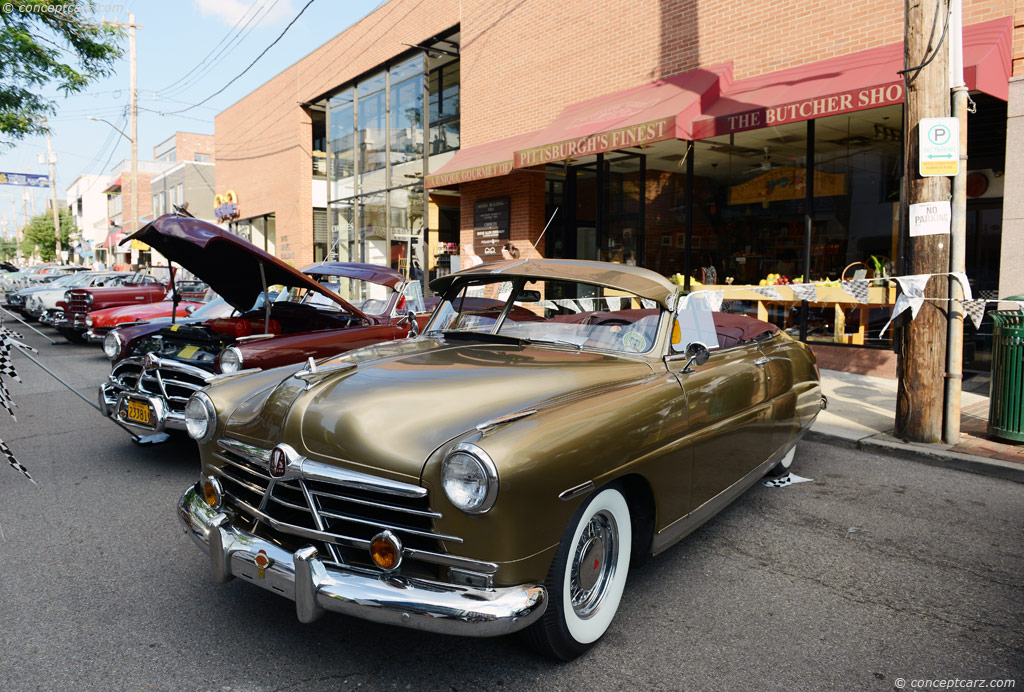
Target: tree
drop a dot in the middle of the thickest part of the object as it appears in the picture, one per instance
(39, 233)
(54, 46)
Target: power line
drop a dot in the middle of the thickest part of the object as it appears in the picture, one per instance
(210, 56)
(264, 52)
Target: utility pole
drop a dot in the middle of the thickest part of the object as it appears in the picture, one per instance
(133, 109)
(53, 188)
(957, 236)
(922, 346)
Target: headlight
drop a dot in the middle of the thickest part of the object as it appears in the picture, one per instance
(469, 478)
(112, 345)
(200, 418)
(88, 320)
(230, 360)
(67, 296)
(88, 299)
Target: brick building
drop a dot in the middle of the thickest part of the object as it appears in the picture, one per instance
(593, 110)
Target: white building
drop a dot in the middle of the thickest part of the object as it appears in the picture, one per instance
(88, 205)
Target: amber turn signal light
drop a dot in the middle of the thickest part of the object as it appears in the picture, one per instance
(386, 551)
(212, 492)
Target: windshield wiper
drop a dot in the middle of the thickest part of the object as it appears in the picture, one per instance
(484, 336)
(556, 342)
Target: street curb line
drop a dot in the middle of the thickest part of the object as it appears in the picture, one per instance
(932, 455)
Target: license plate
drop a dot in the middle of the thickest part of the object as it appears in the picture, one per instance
(139, 412)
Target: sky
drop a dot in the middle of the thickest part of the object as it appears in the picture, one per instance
(219, 37)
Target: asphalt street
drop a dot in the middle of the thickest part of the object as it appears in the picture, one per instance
(880, 569)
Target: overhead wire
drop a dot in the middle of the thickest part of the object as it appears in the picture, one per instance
(262, 53)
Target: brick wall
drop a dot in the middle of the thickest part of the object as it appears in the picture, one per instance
(525, 188)
(521, 63)
(188, 144)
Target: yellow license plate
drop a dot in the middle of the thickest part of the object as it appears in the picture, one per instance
(138, 412)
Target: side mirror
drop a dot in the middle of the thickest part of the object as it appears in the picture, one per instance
(696, 353)
(189, 309)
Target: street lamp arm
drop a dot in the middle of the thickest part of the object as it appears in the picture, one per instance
(101, 120)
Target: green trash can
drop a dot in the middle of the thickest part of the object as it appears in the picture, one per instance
(1006, 392)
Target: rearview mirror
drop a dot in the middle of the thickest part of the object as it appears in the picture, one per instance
(528, 297)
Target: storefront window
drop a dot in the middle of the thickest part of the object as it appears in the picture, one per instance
(406, 206)
(373, 229)
(342, 144)
(372, 134)
(444, 108)
(343, 240)
(406, 121)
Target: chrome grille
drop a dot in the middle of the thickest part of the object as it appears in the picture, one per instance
(173, 384)
(344, 518)
(78, 304)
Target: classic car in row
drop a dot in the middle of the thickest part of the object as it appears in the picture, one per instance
(504, 469)
(101, 322)
(40, 302)
(325, 309)
(148, 286)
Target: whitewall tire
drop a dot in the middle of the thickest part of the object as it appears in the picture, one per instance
(587, 577)
(785, 463)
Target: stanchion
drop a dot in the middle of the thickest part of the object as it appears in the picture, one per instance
(28, 325)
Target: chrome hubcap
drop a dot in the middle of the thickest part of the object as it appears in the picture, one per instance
(593, 564)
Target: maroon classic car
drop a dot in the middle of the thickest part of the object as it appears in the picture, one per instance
(143, 287)
(325, 309)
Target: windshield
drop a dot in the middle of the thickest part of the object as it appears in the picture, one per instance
(68, 280)
(217, 307)
(558, 312)
(365, 296)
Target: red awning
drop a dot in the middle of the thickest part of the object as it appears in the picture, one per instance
(112, 239)
(863, 80)
(113, 188)
(642, 115)
(476, 163)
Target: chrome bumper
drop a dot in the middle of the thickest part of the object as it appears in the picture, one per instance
(94, 338)
(315, 588)
(113, 402)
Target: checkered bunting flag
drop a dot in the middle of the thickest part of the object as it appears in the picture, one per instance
(8, 339)
(808, 292)
(856, 288)
(975, 309)
(6, 451)
(767, 292)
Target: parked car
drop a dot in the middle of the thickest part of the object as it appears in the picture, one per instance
(156, 371)
(497, 473)
(40, 302)
(146, 286)
(100, 322)
(16, 298)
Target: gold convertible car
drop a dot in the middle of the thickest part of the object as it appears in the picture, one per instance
(555, 423)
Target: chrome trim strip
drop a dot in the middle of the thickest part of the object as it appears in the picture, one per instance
(303, 577)
(393, 527)
(382, 505)
(575, 491)
(318, 471)
(507, 418)
(257, 455)
(232, 462)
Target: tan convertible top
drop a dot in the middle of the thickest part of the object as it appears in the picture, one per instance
(623, 277)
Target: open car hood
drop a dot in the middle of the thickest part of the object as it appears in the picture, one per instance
(228, 264)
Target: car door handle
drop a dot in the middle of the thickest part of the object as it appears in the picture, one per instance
(762, 361)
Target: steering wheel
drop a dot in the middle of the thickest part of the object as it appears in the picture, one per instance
(612, 321)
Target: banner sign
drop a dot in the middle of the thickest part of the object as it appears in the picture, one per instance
(786, 183)
(24, 179)
(808, 109)
(491, 170)
(632, 136)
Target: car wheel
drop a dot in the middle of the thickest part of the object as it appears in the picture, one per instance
(587, 578)
(72, 335)
(784, 465)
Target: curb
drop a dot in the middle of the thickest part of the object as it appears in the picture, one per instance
(924, 453)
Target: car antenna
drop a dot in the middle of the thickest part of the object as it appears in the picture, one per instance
(521, 262)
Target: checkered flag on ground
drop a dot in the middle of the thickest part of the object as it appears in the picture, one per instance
(6, 451)
(856, 288)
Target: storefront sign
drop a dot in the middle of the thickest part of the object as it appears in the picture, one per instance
(491, 170)
(939, 146)
(930, 218)
(786, 183)
(490, 228)
(225, 207)
(631, 136)
(808, 109)
(24, 179)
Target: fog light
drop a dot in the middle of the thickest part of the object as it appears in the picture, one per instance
(386, 551)
(213, 493)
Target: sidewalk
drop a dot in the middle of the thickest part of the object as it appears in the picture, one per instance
(861, 412)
